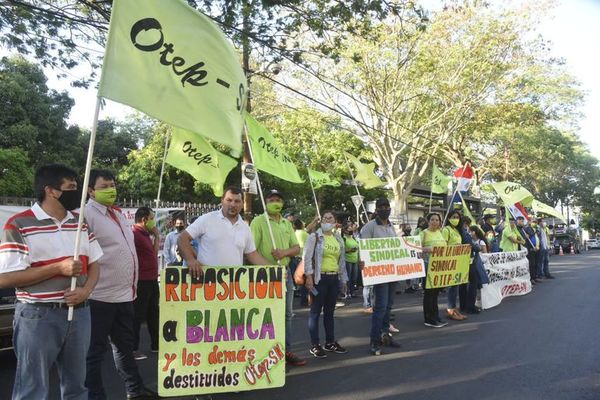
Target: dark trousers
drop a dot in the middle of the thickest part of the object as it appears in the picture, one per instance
(112, 321)
(328, 288)
(146, 310)
(472, 287)
(431, 310)
(380, 319)
(532, 257)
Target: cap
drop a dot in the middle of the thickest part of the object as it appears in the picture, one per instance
(488, 216)
(382, 202)
(274, 192)
(521, 217)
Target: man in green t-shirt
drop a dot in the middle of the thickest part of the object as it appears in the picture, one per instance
(511, 239)
(286, 246)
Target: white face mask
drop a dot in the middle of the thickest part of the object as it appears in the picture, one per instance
(327, 226)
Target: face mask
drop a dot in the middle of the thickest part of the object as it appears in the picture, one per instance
(454, 221)
(150, 224)
(274, 208)
(407, 232)
(70, 199)
(493, 221)
(179, 228)
(327, 226)
(533, 225)
(106, 196)
(384, 214)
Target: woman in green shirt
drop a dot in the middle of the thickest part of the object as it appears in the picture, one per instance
(324, 267)
(452, 232)
(351, 245)
(431, 237)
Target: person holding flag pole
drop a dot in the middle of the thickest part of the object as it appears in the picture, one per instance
(280, 245)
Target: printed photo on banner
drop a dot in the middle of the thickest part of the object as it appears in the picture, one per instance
(448, 266)
(222, 332)
(508, 274)
(391, 259)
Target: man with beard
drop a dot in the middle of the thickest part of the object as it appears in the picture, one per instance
(170, 246)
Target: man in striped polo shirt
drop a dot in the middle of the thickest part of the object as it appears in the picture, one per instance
(36, 257)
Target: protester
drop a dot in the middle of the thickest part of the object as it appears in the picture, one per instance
(421, 226)
(532, 244)
(381, 227)
(453, 235)
(511, 239)
(432, 237)
(475, 269)
(351, 246)
(147, 243)
(170, 247)
(491, 237)
(545, 249)
(286, 246)
(36, 258)
(111, 302)
(324, 268)
(223, 236)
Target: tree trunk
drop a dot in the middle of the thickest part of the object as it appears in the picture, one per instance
(400, 210)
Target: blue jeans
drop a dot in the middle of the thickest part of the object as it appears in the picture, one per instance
(289, 309)
(368, 296)
(380, 319)
(352, 270)
(43, 337)
(114, 320)
(540, 262)
(546, 262)
(328, 288)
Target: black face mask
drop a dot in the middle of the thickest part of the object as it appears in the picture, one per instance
(179, 228)
(384, 214)
(70, 199)
(407, 232)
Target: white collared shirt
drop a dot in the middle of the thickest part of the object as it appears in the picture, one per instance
(220, 241)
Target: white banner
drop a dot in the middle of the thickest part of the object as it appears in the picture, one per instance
(509, 276)
(391, 259)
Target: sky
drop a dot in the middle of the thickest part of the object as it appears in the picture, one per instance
(573, 27)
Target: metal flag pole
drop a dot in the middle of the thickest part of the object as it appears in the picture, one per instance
(454, 193)
(162, 168)
(260, 191)
(86, 181)
(357, 191)
(314, 196)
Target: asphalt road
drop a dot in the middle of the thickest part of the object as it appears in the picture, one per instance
(544, 345)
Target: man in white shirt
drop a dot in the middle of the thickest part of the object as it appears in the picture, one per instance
(223, 236)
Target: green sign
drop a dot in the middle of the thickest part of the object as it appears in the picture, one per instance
(448, 266)
(223, 332)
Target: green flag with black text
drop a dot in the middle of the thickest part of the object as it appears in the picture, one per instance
(321, 179)
(267, 155)
(192, 153)
(439, 181)
(173, 63)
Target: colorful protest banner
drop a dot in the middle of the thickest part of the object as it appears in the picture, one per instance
(508, 274)
(391, 259)
(173, 63)
(223, 332)
(448, 266)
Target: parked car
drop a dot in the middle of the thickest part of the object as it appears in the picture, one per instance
(7, 311)
(565, 241)
(593, 244)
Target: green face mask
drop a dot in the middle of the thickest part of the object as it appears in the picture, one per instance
(454, 221)
(493, 221)
(274, 208)
(150, 224)
(106, 196)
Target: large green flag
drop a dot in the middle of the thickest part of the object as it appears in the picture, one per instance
(194, 155)
(267, 155)
(321, 179)
(540, 207)
(466, 211)
(512, 193)
(439, 181)
(173, 63)
(364, 173)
